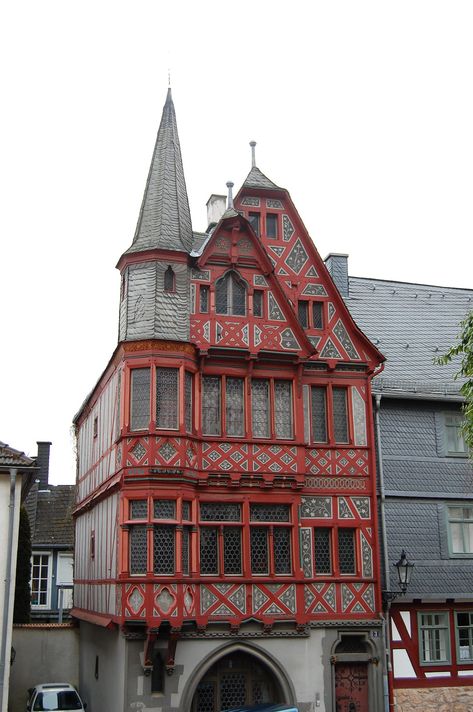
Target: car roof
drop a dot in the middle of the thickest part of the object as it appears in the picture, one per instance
(54, 686)
(265, 708)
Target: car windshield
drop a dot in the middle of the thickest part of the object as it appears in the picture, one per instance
(57, 700)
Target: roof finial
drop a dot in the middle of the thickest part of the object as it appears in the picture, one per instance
(230, 195)
(253, 157)
(169, 78)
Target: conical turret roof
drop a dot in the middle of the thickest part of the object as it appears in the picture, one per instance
(165, 221)
(257, 179)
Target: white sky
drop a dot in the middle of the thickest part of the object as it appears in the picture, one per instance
(362, 110)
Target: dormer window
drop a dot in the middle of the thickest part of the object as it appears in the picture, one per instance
(230, 295)
(169, 280)
(271, 225)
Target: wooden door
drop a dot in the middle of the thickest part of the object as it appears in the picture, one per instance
(351, 687)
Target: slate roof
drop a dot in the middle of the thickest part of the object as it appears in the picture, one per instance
(50, 515)
(411, 324)
(257, 179)
(9, 457)
(165, 220)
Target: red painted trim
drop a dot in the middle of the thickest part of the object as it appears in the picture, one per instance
(96, 618)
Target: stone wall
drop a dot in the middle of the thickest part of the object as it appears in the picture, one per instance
(435, 699)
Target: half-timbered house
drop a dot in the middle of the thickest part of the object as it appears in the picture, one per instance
(226, 547)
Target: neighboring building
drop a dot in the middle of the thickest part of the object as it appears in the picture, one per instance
(226, 527)
(426, 486)
(50, 510)
(16, 474)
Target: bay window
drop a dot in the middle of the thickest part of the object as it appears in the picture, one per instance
(166, 384)
(329, 414)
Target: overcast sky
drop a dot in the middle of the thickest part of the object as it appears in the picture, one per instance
(362, 110)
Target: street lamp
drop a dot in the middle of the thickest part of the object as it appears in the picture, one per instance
(404, 572)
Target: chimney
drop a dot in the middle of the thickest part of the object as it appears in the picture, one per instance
(216, 206)
(42, 460)
(337, 265)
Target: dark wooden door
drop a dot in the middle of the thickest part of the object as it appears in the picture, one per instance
(351, 687)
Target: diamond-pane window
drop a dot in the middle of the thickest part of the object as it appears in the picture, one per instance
(167, 411)
(319, 414)
(271, 225)
(259, 550)
(230, 295)
(208, 550)
(234, 406)
(260, 407)
(346, 551)
(303, 314)
(204, 299)
(186, 511)
(169, 280)
(340, 419)
(282, 550)
(232, 550)
(138, 550)
(283, 409)
(254, 220)
(164, 509)
(188, 400)
(163, 553)
(269, 512)
(185, 550)
(317, 315)
(232, 690)
(322, 551)
(138, 509)
(211, 405)
(258, 299)
(139, 402)
(220, 512)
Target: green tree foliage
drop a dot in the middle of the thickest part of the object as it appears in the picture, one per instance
(22, 609)
(464, 348)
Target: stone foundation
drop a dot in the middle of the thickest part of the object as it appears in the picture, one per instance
(434, 699)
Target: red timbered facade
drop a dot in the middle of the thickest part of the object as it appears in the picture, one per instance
(226, 477)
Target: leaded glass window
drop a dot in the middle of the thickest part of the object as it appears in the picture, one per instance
(346, 551)
(319, 414)
(269, 512)
(322, 551)
(258, 297)
(167, 386)
(169, 280)
(188, 400)
(234, 406)
(220, 511)
(340, 416)
(230, 295)
(271, 225)
(283, 409)
(282, 550)
(163, 553)
(138, 509)
(186, 511)
(318, 315)
(211, 405)
(208, 550)
(303, 314)
(259, 550)
(139, 402)
(185, 550)
(260, 408)
(204, 299)
(232, 550)
(254, 220)
(164, 509)
(138, 549)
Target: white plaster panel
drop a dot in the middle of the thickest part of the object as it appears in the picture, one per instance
(440, 673)
(395, 635)
(402, 666)
(406, 619)
(465, 673)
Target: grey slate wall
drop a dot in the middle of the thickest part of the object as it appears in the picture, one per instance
(147, 311)
(420, 481)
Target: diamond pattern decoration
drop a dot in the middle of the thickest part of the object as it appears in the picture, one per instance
(314, 290)
(165, 600)
(135, 600)
(297, 257)
(339, 462)
(167, 451)
(342, 335)
(311, 272)
(223, 599)
(320, 598)
(275, 311)
(139, 451)
(287, 228)
(288, 340)
(274, 599)
(330, 350)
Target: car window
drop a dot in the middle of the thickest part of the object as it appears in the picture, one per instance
(57, 700)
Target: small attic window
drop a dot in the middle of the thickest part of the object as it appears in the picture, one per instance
(254, 220)
(169, 280)
(96, 426)
(271, 225)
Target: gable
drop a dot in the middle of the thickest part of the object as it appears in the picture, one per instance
(267, 322)
(305, 280)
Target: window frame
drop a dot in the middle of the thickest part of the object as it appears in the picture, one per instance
(169, 286)
(330, 440)
(453, 520)
(222, 405)
(230, 277)
(255, 217)
(270, 525)
(48, 578)
(446, 632)
(271, 401)
(456, 428)
(220, 526)
(153, 366)
(460, 660)
(275, 220)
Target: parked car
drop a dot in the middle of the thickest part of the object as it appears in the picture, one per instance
(264, 708)
(54, 697)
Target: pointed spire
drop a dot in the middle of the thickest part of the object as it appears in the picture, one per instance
(164, 221)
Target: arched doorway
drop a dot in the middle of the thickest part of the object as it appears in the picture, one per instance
(234, 680)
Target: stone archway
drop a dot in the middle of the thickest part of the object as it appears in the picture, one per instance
(236, 675)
